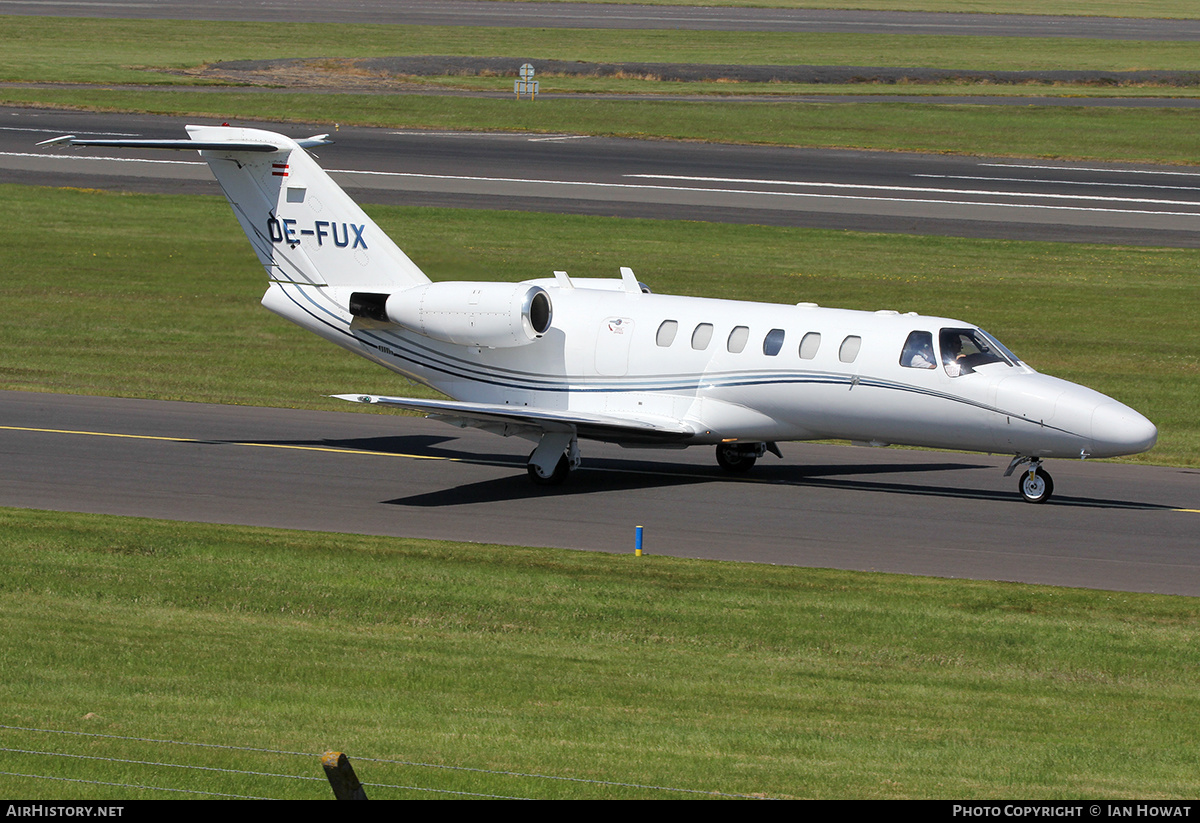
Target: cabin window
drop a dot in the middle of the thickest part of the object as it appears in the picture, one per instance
(773, 342)
(737, 339)
(918, 351)
(849, 350)
(666, 333)
(702, 336)
(809, 345)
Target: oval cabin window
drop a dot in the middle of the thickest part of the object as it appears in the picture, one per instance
(737, 339)
(666, 333)
(849, 350)
(773, 342)
(809, 345)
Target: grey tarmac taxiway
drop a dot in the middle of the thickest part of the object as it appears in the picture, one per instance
(1110, 526)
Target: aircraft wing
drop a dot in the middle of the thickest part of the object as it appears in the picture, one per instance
(514, 419)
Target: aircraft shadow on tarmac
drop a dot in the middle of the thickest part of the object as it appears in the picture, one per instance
(597, 477)
(600, 475)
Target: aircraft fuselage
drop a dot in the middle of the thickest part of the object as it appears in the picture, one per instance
(742, 371)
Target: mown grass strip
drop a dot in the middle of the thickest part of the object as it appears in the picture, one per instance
(1081, 8)
(716, 90)
(1110, 134)
(65, 49)
(157, 296)
(688, 674)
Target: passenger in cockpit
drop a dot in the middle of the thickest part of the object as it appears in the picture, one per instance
(918, 351)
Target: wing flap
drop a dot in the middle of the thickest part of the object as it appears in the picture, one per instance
(612, 428)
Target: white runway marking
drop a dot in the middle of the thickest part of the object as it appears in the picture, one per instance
(917, 189)
(1085, 169)
(107, 159)
(929, 195)
(1058, 182)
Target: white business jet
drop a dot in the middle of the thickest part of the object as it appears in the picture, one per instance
(560, 359)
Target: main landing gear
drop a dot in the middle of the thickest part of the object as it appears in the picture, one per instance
(555, 477)
(556, 455)
(741, 457)
(1035, 484)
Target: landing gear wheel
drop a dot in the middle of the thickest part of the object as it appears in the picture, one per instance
(731, 459)
(555, 478)
(1038, 488)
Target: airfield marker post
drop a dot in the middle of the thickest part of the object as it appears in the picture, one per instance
(526, 85)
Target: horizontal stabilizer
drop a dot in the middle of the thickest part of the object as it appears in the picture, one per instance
(185, 145)
(625, 429)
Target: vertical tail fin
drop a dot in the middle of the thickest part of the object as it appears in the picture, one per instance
(302, 226)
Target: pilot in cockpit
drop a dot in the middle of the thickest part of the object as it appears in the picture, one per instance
(952, 354)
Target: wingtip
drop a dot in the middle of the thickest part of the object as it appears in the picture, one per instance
(57, 141)
(315, 140)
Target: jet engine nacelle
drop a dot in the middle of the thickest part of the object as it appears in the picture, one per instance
(494, 315)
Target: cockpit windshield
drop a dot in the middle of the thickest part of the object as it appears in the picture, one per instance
(965, 350)
(1003, 350)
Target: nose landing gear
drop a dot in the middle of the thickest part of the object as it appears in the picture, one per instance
(1035, 484)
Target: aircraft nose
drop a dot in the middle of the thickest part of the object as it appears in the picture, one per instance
(1118, 429)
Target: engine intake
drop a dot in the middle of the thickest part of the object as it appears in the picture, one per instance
(494, 315)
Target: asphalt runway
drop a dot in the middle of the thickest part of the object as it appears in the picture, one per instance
(614, 16)
(1110, 526)
(854, 190)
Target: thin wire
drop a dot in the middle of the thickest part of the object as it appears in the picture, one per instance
(447, 791)
(241, 771)
(398, 763)
(556, 777)
(155, 763)
(134, 786)
(158, 740)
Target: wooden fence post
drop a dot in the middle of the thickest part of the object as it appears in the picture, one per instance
(342, 778)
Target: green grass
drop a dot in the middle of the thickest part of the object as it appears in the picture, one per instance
(64, 49)
(1109, 134)
(157, 296)
(657, 671)
(1083, 8)
(552, 83)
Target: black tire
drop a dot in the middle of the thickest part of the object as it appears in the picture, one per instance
(732, 460)
(556, 477)
(1036, 489)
